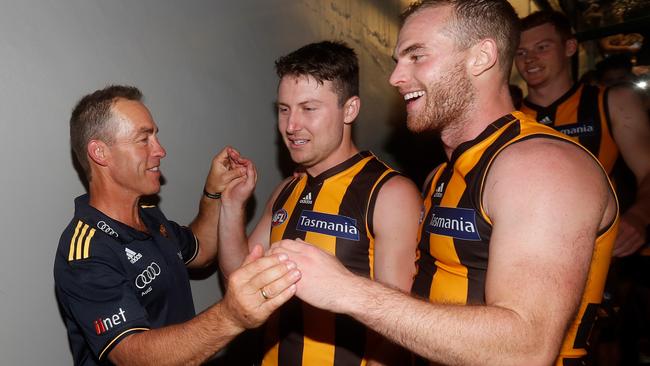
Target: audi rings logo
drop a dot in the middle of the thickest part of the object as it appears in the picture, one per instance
(147, 276)
(103, 226)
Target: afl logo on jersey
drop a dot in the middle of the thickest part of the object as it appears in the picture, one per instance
(279, 217)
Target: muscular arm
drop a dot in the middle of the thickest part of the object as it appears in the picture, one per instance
(395, 223)
(545, 219)
(631, 130)
(193, 342)
(204, 226)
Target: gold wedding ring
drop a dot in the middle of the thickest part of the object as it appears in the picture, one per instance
(264, 295)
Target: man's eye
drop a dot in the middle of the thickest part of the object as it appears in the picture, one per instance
(520, 53)
(416, 57)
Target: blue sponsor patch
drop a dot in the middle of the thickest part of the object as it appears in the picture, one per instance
(455, 222)
(577, 129)
(335, 225)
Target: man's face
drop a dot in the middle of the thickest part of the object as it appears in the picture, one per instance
(542, 56)
(311, 122)
(430, 72)
(136, 152)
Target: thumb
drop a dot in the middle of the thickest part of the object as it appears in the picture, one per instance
(256, 252)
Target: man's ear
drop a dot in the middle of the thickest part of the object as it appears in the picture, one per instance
(351, 109)
(482, 56)
(570, 47)
(98, 151)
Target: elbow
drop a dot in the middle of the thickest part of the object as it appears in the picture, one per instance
(542, 351)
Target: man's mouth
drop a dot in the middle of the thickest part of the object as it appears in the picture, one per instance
(409, 97)
(298, 142)
(534, 69)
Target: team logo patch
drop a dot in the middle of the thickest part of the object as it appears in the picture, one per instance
(279, 217)
(577, 129)
(457, 223)
(335, 225)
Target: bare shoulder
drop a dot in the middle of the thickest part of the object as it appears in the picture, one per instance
(399, 193)
(399, 185)
(398, 206)
(550, 174)
(623, 93)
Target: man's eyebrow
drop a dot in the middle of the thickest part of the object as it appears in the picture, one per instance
(147, 130)
(538, 42)
(410, 49)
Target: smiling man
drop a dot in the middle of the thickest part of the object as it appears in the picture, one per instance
(348, 203)
(519, 222)
(121, 267)
(611, 122)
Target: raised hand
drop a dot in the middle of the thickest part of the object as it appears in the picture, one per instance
(224, 170)
(240, 188)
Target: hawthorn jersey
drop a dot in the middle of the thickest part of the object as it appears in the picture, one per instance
(455, 234)
(334, 212)
(582, 114)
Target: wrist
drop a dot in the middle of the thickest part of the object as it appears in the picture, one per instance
(228, 319)
(211, 194)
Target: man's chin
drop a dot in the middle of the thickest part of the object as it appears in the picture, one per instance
(417, 125)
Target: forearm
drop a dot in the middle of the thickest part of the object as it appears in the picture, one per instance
(451, 334)
(233, 243)
(204, 227)
(189, 343)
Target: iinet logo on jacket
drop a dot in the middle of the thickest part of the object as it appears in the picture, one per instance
(104, 325)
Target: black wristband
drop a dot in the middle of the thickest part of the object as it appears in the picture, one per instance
(214, 196)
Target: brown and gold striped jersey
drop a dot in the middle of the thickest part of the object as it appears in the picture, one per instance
(582, 114)
(334, 212)
(455, 234)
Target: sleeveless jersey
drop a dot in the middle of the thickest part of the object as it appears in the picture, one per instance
(455, 234)
(334, 212)
(582, 114)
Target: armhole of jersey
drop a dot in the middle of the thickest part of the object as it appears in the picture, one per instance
(196, 249)
(284, 194)
(543, 135)
(113, 342)
(370, 208)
